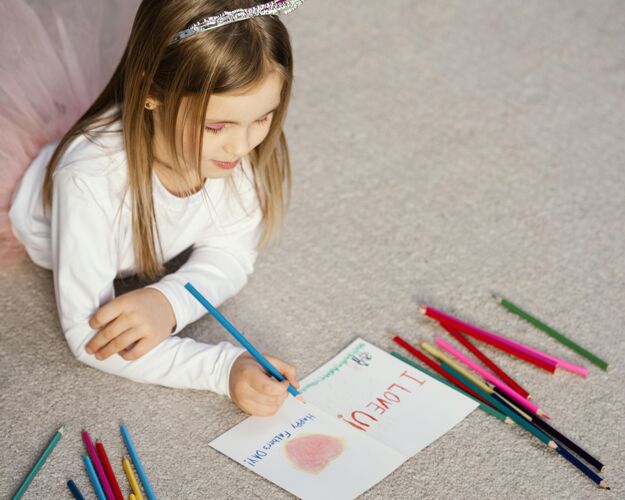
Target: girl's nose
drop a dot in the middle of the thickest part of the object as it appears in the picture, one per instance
(239, 146)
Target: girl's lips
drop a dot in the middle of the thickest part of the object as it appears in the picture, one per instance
(226, 165)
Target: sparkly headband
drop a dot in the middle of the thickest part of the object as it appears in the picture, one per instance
(266, 9)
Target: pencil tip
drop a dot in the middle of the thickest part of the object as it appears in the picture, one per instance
(62, 429)
(422, 308)
(496, 297)
(553, 445)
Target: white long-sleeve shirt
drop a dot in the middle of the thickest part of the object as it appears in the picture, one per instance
(86, 240)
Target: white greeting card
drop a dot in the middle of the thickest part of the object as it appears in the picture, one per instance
(366, 412)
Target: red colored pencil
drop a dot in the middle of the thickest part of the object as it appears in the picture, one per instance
(436, 367)
(108, 470)
(486, 360)
(478, 333)
(543, 363)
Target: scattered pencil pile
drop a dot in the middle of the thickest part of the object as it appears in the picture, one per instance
(99, 470)
(496, 392)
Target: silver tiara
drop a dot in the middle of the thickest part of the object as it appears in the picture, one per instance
(228, 17)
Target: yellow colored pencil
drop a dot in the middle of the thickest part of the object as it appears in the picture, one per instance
(450, 362)
(131, 479)
(132, 497)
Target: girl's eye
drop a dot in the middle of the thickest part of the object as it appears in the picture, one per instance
(216, 128)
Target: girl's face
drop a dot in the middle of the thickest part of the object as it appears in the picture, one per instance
(235, 124)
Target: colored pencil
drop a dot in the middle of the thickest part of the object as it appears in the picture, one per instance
(487, 361)
(108, 470)
(528, 426)
(552, 332)
(132, 479)
(518, 419)
(241, 339)
(97, 465)
(561, 438)
(422, 357)
(483, 406)
(74, 490)
(489, 338)
(39, 463)
(465, 373)
(526, 352)
(582, 467)
(489, 377)
(520, 350)
(99, 492)
(132, 497)
(137, 463)
(537, 358)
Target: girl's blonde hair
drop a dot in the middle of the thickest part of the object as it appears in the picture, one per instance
(231, 57)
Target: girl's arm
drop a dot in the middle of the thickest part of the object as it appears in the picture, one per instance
(219, 264)
(84, 254)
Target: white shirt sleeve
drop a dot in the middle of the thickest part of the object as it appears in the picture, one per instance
(84, 258)
(219, 264)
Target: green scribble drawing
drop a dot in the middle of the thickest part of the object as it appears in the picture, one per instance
(334, 369)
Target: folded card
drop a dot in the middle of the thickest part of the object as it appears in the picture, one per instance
(366, 412)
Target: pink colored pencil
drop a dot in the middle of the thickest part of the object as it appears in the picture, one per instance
(562, 363)
(505, 388)
(539, 359)
(97, 464)
(486, 360)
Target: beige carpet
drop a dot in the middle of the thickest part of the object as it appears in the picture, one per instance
(441, 150)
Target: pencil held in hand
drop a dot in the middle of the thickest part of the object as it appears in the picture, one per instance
(241, 339)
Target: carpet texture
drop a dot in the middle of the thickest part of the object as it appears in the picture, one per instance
(441, 151)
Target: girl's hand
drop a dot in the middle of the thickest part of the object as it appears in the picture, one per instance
(254, 390)
(131, 325)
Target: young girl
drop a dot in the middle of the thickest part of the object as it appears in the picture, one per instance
(184, 147)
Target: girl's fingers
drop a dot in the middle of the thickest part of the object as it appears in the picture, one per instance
(119, 343)
(108, 333)
(286, 369)
(261, 410)
(261, 405)
(138, 349)
(107, 313)
(262, 383)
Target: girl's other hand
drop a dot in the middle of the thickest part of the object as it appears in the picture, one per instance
(131, 325)
(254, 390)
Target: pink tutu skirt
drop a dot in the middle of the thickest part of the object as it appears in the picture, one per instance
(55, 58)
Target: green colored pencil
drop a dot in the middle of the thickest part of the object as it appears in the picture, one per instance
(492, 411)
(39, 464)
(550, 331)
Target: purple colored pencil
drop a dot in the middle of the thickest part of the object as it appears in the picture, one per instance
(97, 465)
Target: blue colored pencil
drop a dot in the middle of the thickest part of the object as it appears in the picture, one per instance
(137, 463)
(242, 340)
(99, 492)
(75, 491)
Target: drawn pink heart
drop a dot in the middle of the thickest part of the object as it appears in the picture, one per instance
(312, 453)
